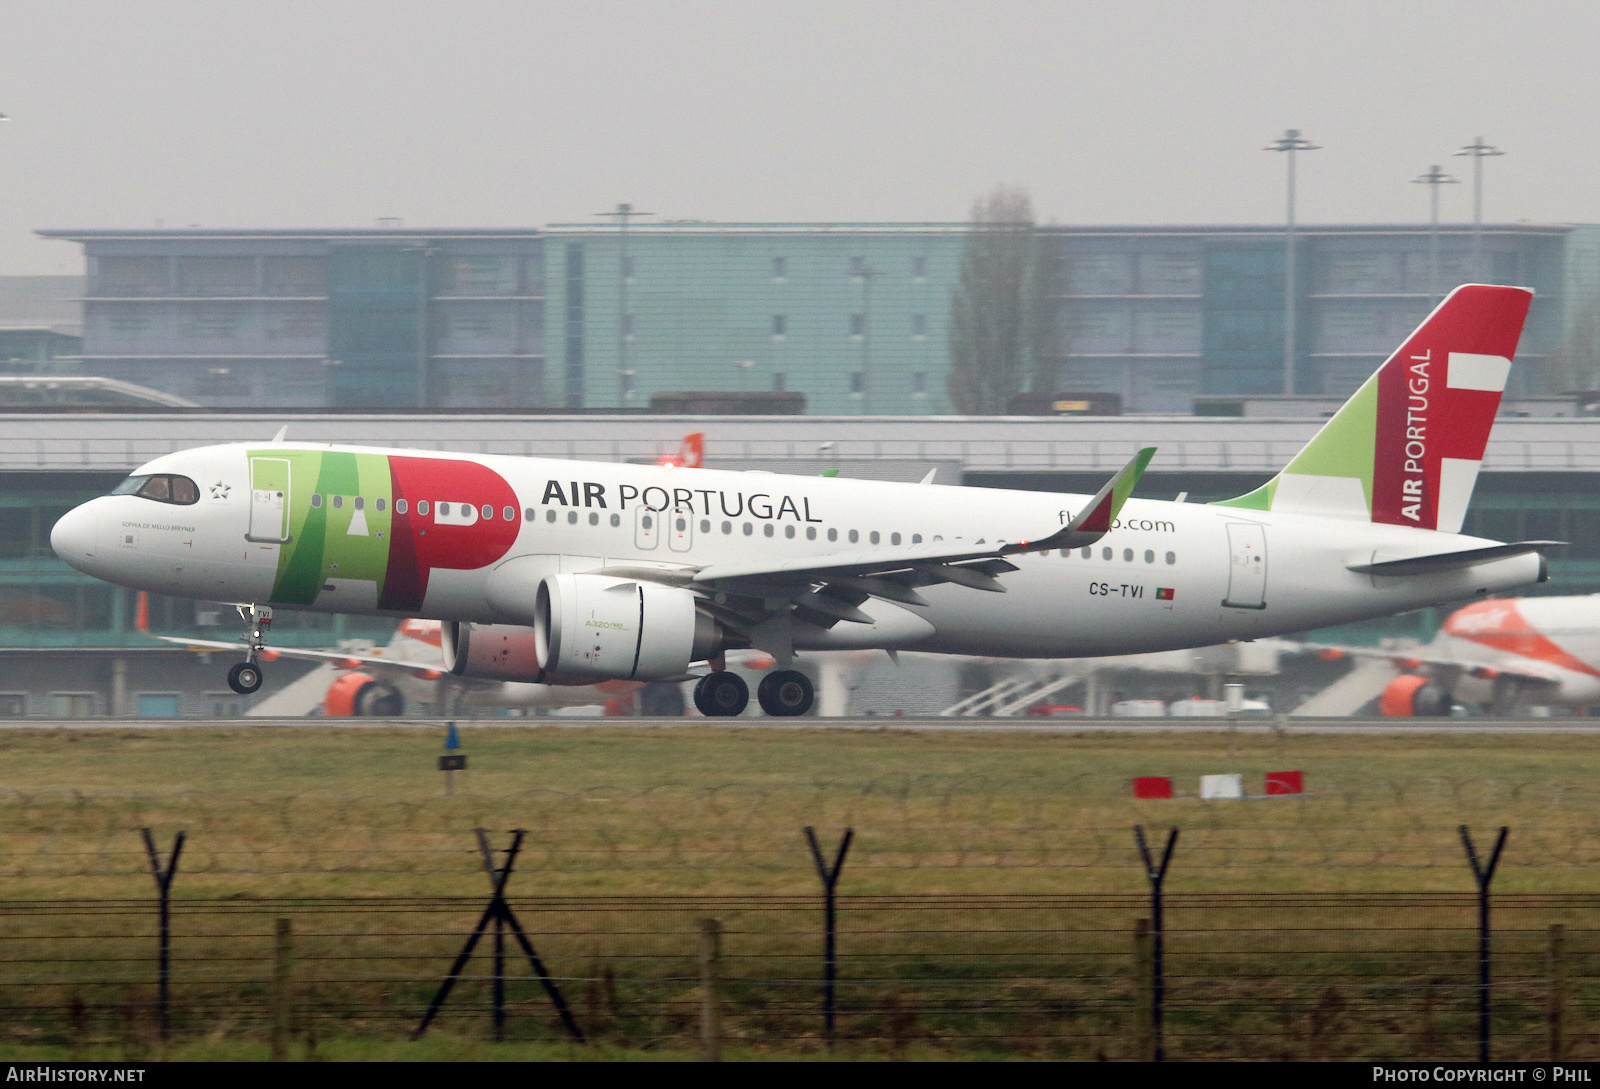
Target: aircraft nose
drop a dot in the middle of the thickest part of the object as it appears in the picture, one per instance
(73, 537)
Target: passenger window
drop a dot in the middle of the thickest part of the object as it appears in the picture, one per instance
(1105, 553)
(444, 508)
(1088, 553)
(767, 529)
(833, 535)
(549, 516)
(616, 520)
(594, 518)
(359, 502)
(400, 506)
(811, 533)
(646, 522)
(748, 529)
(338, 502)
(572, 517)
(1149, 555)
(316, 500)
(378, 505)
(916, 538)
(788, 531)
(727, 528)
(422, 506)
(874, 537)
(528, 515)
(488, 511)
(1127, 555)
(1172, 557)
(510, 513)
(894, 538)
(854, 536)
(705, 525)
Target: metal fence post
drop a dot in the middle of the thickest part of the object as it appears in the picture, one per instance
(283, 951)
(1158, 982)
(1555, 957)
(1143, 977)
(163, 876)
(710, 998)
(1484, 874)
(830, 883)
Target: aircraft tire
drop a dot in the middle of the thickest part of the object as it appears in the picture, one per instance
(721, 695)
(244, 678)
(785, 693)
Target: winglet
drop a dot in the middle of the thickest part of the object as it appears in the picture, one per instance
(1094, 520)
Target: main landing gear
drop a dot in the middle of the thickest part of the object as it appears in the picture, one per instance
(783, 693)
(245, 677)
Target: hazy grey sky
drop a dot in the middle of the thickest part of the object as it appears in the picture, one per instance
(279, 113)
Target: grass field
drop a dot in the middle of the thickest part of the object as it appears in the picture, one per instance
(624, 811)
(666, 820)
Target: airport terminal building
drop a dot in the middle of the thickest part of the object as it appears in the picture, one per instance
(856, 317)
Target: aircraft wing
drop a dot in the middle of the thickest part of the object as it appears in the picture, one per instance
(347, 659)
(834, 585)
(1408, 659)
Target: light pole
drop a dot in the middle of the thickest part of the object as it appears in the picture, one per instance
(1291, 142)
(1433, 179)
(622, 214)
(1479, 152)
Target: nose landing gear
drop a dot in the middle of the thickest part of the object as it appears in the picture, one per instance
(245, 677)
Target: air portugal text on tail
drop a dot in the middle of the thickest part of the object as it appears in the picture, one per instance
(566, 572)
(1405, 449)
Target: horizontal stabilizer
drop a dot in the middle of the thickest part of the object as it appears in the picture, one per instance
(1452, 561)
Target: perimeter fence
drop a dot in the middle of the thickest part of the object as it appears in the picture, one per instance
(1254, 975)
(949, 828)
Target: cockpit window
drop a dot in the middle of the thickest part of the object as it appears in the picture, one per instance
(163, 488)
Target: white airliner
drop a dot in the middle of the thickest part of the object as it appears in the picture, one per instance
(1497, 653)
(567, 572)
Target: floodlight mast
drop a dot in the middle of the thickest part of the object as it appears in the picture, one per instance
(1433, 178)
(1479, 152)
(1291, 141)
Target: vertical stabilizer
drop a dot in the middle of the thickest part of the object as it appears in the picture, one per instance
(1405, 449)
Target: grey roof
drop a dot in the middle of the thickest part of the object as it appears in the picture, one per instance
(120, 441)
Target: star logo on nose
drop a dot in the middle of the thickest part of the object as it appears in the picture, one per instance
(219, 490)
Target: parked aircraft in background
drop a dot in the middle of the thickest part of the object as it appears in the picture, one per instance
(1499, 653)
(383, 681)
(562, 572)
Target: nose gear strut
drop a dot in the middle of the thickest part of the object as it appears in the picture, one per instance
(245, 677)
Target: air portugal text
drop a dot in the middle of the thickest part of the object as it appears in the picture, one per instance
(1415, 475)
(706, 501)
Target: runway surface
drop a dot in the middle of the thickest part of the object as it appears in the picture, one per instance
(1393, 727)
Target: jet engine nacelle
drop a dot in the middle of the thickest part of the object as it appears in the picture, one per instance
(492, 652)
(358, 695)
(596, 627)
(1409, 695)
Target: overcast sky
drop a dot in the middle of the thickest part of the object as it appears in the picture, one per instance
(277, 113)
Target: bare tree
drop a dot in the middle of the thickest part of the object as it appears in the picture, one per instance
(999, 310)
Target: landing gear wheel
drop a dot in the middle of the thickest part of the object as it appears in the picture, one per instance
(244, 678)
(721, 695)
(785, 693)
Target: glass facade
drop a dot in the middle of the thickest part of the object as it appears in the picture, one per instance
(362, 319)
(855, 316)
